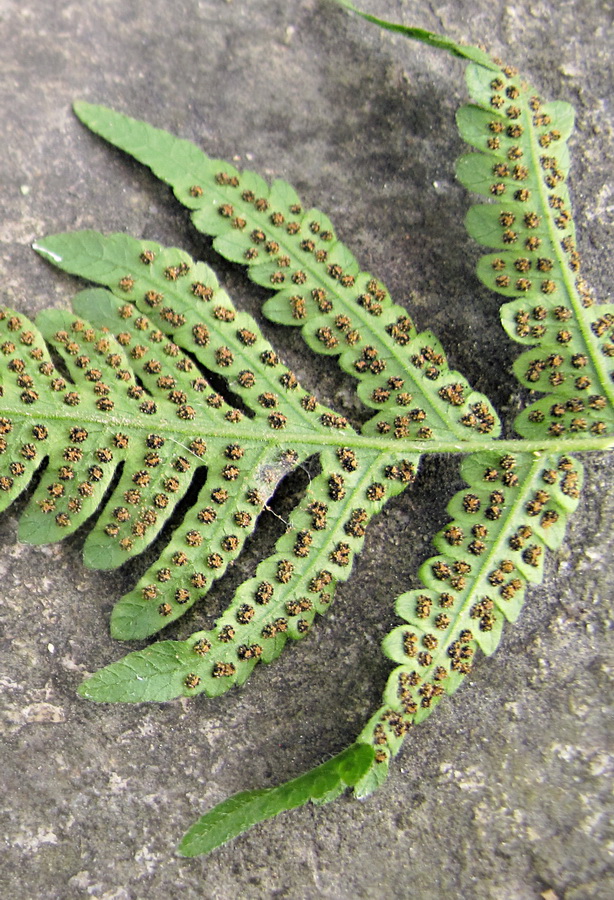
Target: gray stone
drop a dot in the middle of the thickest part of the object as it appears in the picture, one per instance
(504, 792)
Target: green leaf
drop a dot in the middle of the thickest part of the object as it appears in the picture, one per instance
(280, 602)
(152, 674)
(517, 506)
(427, 37)
(319, 287)
(132, 425)
(522, 166)
(239, 812)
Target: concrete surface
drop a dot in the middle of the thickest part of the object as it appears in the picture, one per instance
(504, 792)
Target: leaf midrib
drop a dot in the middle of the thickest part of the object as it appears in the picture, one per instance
(344, 438)
(307, 261)
(579, 310)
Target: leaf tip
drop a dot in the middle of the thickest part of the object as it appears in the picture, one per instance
(80, 107)
(185, 849)
(86, 690)
(46, 252)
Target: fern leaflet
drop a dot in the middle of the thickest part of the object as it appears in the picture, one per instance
(523, 166)
(341, 311)
(516, 507)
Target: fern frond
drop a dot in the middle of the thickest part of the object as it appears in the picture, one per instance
(86, 440)
(341, 310)
(331, 525)
(516, 507)
(87, 434)
(523, 166)
(131, 413)
(245, 461)
(298, 580)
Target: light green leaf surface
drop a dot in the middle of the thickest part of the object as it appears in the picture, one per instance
(318, 286)
(129, 425)
(516, 508)
(241, 811)
(427, 37)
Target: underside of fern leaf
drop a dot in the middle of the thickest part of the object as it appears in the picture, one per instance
(516, 507)
(130, 376)
(523, 166)
(117, 399)
(385, 353)
(319, 287)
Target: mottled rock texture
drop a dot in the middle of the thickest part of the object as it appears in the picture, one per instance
(504, 792)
